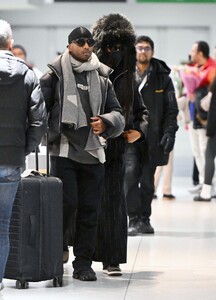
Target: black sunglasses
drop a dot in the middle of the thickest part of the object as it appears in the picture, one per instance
(81, 42)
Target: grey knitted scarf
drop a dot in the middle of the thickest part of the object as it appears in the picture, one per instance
(72, 112)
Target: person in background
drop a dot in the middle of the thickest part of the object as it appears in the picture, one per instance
(206, 192)
(167, 171)
(184, 116)
(115, 37)
(83, 113)
(188, 108)
(20, 51)
(197, 80)
(22, 125)
(157, 90)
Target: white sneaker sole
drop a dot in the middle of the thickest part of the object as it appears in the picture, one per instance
(112, 273)
(195, 190)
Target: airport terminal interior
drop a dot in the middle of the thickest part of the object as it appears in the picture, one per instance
(179, 260)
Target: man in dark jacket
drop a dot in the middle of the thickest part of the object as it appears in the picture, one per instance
(83, 113)
(22, 124)
(142, 158)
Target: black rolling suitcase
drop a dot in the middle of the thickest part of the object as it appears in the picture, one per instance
(36, 239)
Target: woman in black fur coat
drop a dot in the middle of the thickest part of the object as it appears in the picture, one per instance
(115, 38)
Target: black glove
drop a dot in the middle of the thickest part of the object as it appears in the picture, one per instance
(167, 142)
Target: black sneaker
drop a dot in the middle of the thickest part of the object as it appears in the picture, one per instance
(134, 226)
(168, 197)
(112, 270)
(146, 226)
(199, 198)
(85, 275)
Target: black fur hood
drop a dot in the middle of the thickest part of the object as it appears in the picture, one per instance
(116, 29)
(113, 28)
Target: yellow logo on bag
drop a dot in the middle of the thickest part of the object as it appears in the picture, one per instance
(159, 91)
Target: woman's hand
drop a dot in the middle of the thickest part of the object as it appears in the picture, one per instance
(131, 135)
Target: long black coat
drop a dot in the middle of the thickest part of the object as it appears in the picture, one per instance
(111, 244)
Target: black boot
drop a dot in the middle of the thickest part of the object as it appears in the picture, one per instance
(146, 226)
(134, 226)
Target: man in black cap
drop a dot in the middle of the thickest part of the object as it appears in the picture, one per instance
(83, 113)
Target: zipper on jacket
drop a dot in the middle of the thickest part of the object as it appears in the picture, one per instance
(60, 115)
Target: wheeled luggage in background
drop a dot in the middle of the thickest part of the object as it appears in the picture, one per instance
(36, 233)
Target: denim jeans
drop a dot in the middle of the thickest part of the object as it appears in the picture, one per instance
(9, 181)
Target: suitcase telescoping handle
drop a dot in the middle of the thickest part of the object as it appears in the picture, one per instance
(47, 156)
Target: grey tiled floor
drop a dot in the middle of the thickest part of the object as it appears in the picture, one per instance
(178, 262)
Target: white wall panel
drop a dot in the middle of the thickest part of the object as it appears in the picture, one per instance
(34, 40)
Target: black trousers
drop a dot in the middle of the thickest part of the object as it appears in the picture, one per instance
(82, 189)
(195, 175)
(139, 181)
(209, 160)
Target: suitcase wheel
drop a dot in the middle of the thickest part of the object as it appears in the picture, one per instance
(57, 281)
(22, 284)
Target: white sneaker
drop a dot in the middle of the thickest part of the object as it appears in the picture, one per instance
(1, 286)
(113, 270)
(195, 189)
